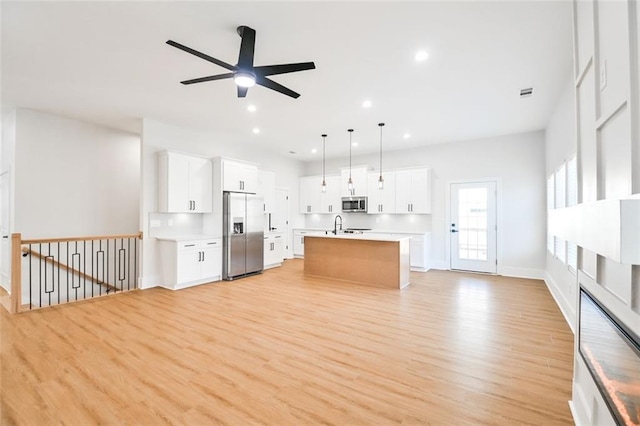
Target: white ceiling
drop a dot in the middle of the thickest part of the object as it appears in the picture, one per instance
(107, 62)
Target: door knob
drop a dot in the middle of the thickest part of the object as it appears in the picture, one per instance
(454, 230)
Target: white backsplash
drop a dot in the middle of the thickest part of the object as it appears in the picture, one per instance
(174, 224)
(417, 223)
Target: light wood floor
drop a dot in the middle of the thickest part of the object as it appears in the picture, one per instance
(284, 349)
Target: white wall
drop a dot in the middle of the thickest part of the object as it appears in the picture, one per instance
(517, 160)
(74, 178)
(560, 145)
(606, 43)
(158, 136)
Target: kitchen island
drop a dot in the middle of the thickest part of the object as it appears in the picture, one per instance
(381, 261)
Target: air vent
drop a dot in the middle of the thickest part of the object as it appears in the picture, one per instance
(526, 92)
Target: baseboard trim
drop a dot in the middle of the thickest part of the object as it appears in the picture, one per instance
(574, 414)
(562, 303)
(510, 271)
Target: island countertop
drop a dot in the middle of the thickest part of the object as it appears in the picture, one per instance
(367, 237)
(376, 260)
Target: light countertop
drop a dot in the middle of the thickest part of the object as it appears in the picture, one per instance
(182, 238)
(367, 237)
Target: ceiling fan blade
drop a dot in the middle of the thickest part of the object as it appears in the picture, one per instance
(270, 84)
(245, 59)
(201, 55)
(242, 91)
(284, 68)
(209, 78)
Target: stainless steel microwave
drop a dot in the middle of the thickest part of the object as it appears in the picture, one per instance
(354, 204)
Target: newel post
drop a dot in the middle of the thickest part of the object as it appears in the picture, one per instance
(16, 273)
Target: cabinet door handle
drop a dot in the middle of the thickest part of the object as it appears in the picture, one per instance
(203, 256)
(189, 245)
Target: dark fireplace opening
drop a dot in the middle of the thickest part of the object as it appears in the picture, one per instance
(612, 354)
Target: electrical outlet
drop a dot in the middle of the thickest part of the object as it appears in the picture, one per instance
(603, 75)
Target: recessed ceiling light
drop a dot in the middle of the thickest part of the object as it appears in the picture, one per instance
(366, 104)
(421, 56)
(251, 108)
(256, 130)
(313, 151)
(406, 136)
(354, 144)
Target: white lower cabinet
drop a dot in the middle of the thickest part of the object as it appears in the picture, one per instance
(420, 252)
(419, 247)
(186, 263)
(298, 240)
(273, 250)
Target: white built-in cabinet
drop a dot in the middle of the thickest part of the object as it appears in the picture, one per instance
(190, 262)
(310, 189)
(413, 191)
(184, 183)
(267, 189)
(273, 250)
(330, 201)
(298, 240)
(313, 200)
(239, 177)
(358, 177)
(405, 191)
(381, 200)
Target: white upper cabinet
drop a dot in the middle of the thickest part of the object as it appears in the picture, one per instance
(359, 179)
(313, 200)
(184, 183)
(267, 189)
(330, 201)
(239, 177)
(413, 191)
(381, 200)
(310, 190)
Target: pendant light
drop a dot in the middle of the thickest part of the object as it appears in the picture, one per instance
(324, 182)
(380, 180)
(350, 181)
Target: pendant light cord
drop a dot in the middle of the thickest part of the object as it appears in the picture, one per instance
(350, 145)
(323, 156)
(381, 125)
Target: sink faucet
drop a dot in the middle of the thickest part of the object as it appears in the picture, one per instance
(335, 224)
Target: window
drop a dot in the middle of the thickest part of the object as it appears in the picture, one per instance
(560, 249)
(560, 186)
(572, 181)
(572, 256)
(550, 192)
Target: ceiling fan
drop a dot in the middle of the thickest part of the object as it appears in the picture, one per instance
(244, 74)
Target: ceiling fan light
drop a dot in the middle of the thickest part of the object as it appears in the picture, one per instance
(244, 79)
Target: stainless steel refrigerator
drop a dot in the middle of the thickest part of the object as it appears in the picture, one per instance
(243, 236)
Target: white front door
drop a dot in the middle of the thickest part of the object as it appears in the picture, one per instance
(5, 245)
(280, 219)
(473, 229)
